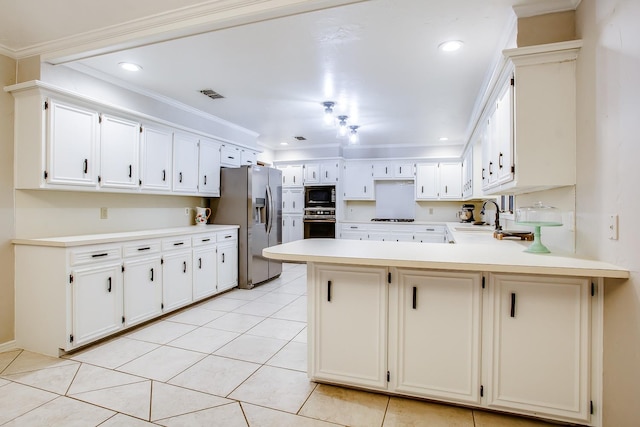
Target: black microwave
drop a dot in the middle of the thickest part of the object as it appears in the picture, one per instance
(316, 196)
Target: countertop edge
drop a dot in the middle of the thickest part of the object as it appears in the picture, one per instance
(96, 239)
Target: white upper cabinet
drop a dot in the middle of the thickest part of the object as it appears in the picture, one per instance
(392, 169)
(330, 172)
(427, 181)
(311, 173)
(72, 136)
(156, 156)
(529, 131)
(292, 175)
(185, 163)
(450, 181)
(248, 157)
(209, 168)
(119, 148)
(358, 184)
(230, 156)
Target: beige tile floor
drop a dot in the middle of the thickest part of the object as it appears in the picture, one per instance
(238, 359)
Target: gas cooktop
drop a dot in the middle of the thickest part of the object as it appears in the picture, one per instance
(393, 219)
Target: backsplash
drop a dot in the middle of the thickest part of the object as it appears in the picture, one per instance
(424, 211)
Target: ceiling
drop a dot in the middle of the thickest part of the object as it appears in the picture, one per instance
(378, 60)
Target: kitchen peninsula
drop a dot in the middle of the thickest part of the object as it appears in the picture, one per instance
(484, 324)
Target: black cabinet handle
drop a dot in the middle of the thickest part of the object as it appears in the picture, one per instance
(145, 248)
(178, 244)
(385, 170)
(109, 281)
(86, 166)
(184, 266)
(326, 174)
(365, 189)
(500, 161)
(228, 236)
(415, 297)
(206, 240)
(329, 291)
(180, 176)
(205, 180)
(164, 175)
(400, 170)
(490, 168)
(99, 255)
(513, 304)
(222, 256)
(422, 189)
(152, 274)
(200, 263)
(130, 171)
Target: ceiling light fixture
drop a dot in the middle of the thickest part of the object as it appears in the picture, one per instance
(342, 126)
(284, 143)
(328, 112)
(353, 134)
(444, 138)
(450, 46)
(130, 66)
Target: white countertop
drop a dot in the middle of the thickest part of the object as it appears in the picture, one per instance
(94, 239)
(490, 256)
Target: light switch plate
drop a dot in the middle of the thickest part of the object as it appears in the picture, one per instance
(613, 227)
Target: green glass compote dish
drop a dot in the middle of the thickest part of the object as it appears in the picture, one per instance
(538, 216)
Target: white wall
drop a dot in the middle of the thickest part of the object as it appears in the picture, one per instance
(7, 77)
(608, 177)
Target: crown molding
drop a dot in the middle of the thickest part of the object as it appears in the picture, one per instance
(544, 7)
(210, 16)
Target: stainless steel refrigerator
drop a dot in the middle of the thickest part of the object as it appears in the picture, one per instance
(251, 196)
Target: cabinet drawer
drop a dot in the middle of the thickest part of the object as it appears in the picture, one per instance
(141, 248)
(204, 239)
(179, 242)
(430, 229)
(93, 254)
(227, 236)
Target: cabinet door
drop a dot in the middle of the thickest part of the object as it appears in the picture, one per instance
(227, 266)
(176, 280)
(142, 289)
(230, 156)
(450, 181)
(329, 172)
(434, 332)
(96, 301)
(539, 360)
(119, 148)
(297, 228)
(504, 136)
(383, 170)
(348, 325)
(72, 144)
(311, 173)
(156, 159)
(205, 272)
(403, 170)
(185, 163)
(286, 228)
(358, 183)
(293, 200)
(248, 157)
(292, 175)
(427, 181)
(209, 168)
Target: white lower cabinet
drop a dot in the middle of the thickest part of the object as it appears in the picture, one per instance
(434, 334)
(227, 262)
(538, 345)
(517, 343)
(292, 228)
(142, 289)
(97, 302)
(205, 271)
(176, 279)
(348, 320)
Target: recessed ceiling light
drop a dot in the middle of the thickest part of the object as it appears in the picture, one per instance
(284, 143)
(450, 46)
(130, 66)
(444, 138)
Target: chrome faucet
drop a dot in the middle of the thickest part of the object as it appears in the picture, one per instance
(497, 223)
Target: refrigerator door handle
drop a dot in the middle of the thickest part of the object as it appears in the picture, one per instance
(269, 218)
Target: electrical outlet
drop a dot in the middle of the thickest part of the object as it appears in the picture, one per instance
(613, 227)
(187, 211)
(104, 213)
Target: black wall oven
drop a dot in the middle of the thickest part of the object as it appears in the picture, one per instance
(320, 212)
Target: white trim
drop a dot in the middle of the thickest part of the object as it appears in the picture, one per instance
(9, 345)
(186, 21)
(544, 7)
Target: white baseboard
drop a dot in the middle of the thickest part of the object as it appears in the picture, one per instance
(9, 345)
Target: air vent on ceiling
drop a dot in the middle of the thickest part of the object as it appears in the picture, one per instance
(300, 138)
(211, 93)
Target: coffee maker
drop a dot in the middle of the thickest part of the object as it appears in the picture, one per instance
(466, 214)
